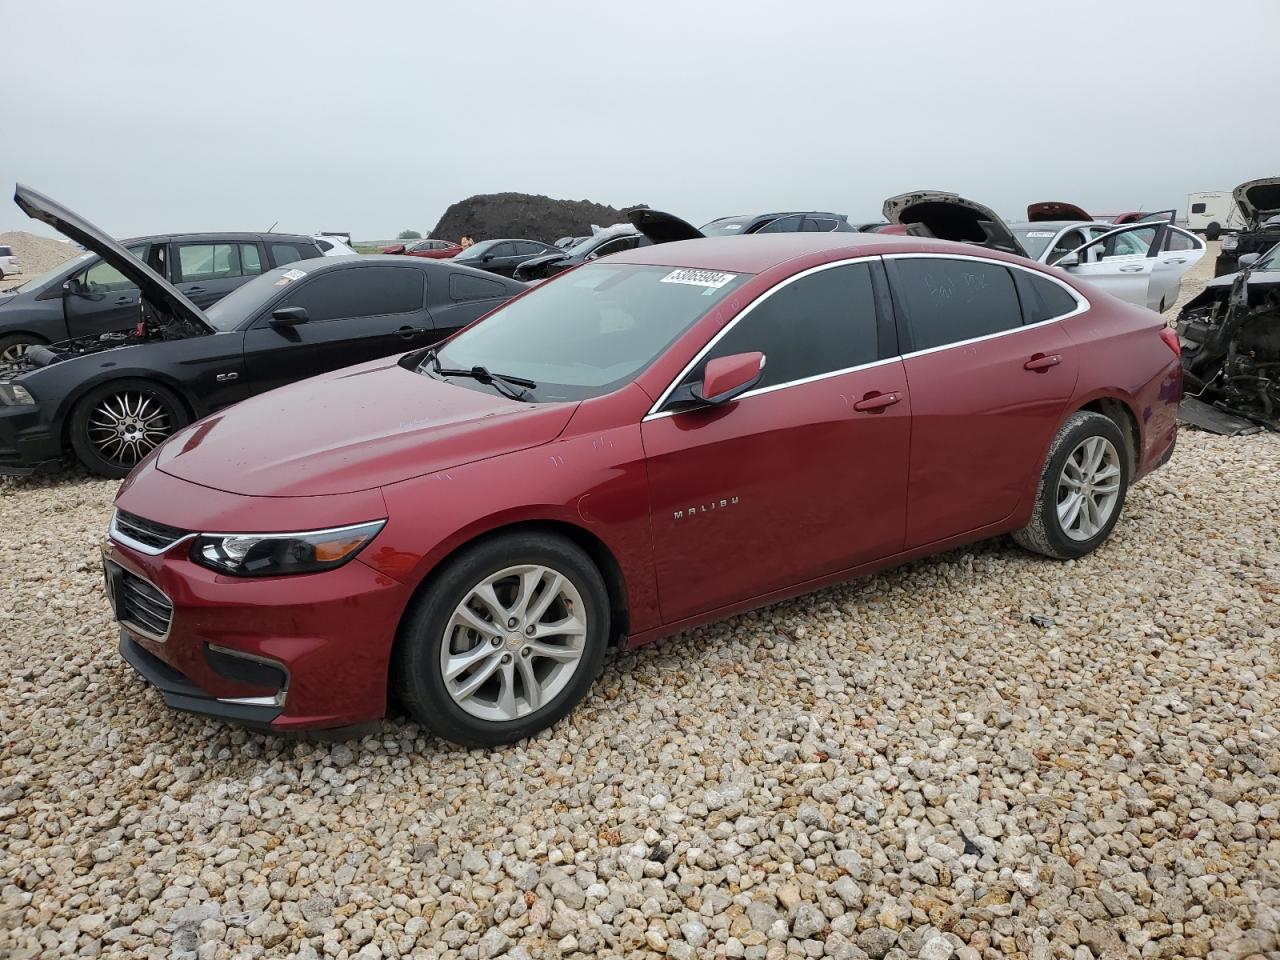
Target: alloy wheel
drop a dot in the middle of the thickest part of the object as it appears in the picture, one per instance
(125, 427)
(14, 352)
(1088, 488)
(514, 642)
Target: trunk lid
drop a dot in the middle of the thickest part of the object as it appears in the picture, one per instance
(354, 429)
(1047, 210)
(1257, 199)
(949, 216)
(155, 288)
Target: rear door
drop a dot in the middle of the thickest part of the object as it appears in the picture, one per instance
(355, 313)
(987, 389)
(206, 271)
(1180, 250)
(1121, 262)
(802, 476)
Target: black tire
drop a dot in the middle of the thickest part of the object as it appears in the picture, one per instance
(1213, 231)
(14, 344)
(86, 435)
(1045, 532)
(417, 675)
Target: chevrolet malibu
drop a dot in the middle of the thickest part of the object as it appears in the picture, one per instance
(649, 442)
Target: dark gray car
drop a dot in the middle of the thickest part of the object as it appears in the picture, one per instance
(88, 297)
(502, 256)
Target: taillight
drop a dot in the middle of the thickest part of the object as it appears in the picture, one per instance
(1170, 337)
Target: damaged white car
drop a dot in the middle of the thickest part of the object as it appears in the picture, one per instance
(1142, 263)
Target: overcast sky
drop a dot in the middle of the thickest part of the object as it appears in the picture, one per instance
(373, 117)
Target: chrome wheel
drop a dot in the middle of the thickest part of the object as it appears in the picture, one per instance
(1089, 488)
(125, 427)
(14, 352)
(514, 642)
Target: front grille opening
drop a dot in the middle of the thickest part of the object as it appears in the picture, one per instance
(147, 532)
(143, 606)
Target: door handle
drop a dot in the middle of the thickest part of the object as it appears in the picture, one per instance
(195, 289)
(1171, 260)
(1040, 363)
(125, 300)
(406, 333)
(1136, 269)
(873, 403)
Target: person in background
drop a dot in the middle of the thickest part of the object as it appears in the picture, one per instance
(466, 241)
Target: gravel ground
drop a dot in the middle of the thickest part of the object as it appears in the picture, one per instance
(984, 754)
(37, 254)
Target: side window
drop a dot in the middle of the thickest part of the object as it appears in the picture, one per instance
(208, 261)
(1065, 244)
(250, 259)
(819, 323)
(359, 292)
(502, 250)
(783, 225)
(1130, 243)
(104, 278)
(1042, 299)
(1177, 240)
(1197, 208)
(818, 225)
(616, 245)
(282, 253)
(948, 301)
(463, 288)
(526, 248)
(324, 245)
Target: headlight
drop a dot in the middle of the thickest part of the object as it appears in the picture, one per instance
(277, 554)
(16, 395)
(1230, 241)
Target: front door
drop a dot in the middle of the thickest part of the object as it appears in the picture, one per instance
(802, 476)
(1120, 262)
(355, 313)
(100, 300)
(986, 391)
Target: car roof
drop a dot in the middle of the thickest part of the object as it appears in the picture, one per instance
(319, 264)
(758, 252)
(218, 235)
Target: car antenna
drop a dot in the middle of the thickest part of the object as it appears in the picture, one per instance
(272, 228)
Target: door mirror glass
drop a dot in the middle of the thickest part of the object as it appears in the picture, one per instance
(289, 316)
(727, 378)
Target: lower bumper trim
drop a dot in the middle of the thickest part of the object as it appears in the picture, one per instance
(181, 694)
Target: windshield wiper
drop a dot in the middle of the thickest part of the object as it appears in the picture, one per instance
(503, 382)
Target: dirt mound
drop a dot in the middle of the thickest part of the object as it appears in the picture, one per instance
(488, 216)
(37, 254)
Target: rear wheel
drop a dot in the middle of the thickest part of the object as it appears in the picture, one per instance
(507, 638)
(117, 424)
(1081, 490)
(1213, 231)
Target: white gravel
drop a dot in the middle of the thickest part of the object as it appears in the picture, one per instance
(906, 766)
(36, 254)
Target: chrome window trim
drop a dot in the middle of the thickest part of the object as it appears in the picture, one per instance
(1082, 304)
(656, 410)
(114, 533)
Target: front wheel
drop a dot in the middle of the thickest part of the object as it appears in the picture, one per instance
(504, 641)
(117, 424)
(15, 345)
(1081, 490)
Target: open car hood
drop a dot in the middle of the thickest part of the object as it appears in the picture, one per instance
(155, 288)
(949, 216)
(1258, 198)
(1047, 210)
(662, 227)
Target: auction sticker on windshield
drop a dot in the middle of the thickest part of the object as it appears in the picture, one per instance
(289, 276)
(712, 279)
(1041, 233)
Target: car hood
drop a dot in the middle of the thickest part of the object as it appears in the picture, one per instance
(1258, 198)
(154, 287)
(1047, 210)
(949, 216)
(662, 227)
(363, 427)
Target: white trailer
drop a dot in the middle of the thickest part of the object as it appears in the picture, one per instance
(1213, 213)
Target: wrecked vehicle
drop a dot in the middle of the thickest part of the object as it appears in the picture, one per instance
(662, 227)
(603, 242)
(110, 398)
(1230, 338)
(1259, 204)
(1142, 263)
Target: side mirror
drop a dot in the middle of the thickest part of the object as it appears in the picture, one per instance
(289, 316)
(486, 258)
(727, 378)
(1248, 260)
(1070, 260)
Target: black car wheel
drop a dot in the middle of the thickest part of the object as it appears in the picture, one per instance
(117, 424)
(14, 346)
(1213, 231)
(504, 641)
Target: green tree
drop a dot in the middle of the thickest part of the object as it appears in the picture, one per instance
(409, 235)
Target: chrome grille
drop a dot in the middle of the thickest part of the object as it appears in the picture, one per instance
(142, 606)
(157, 537)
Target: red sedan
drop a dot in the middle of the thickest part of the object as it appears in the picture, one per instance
(431, 249)
(651, 441)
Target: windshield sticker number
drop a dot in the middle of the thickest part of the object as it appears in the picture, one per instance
(1041, 233)
(711, 279)
(289, 276)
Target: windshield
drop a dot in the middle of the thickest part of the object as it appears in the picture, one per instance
(725, 228)
(589, 331)
(476, 250)
(1270, 260)
(1034, 241)
(246, 300)
(36, 282)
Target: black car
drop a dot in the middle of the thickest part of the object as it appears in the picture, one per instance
(88, 296)
(1259, 203)
(611, 240)
(502, 256)
(110, 398)
(662, 227)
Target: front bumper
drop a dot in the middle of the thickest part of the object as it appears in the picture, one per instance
(29, 441)
(300, 652)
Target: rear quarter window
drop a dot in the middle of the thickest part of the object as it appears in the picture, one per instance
(463, 288)
(1042, 299)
